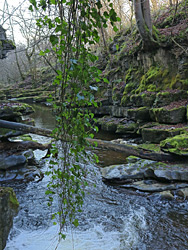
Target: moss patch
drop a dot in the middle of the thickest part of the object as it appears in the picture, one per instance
(150, 147)
(177, 144)
(12, 196)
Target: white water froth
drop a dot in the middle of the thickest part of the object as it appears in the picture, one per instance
(96, 238)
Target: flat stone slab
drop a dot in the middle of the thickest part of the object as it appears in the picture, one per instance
(179, 194)
(158, 133)
(141, 114)
(154, 186)
(137, 172)
(26, 174)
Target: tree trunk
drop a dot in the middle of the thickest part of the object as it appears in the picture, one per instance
(144, 24)
(22, 146)
(133, 150)
(127, 149)
(25, 128)
(147, 15)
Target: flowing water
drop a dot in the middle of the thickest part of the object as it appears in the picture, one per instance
(112, 218)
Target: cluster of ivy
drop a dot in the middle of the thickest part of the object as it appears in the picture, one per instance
(74, 26)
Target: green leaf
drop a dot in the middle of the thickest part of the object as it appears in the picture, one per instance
(99, 5)
(105, 80)
(75, 222)
(57, 19)
(33, 2)
(42, 53)
(54, 40)
(63, 236)
(115, 29)
(97, 80)
(106, 14)
(31, 8)
(113, 15)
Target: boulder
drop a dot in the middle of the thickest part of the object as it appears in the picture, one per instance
(8, 133)
(179, 194)
(8, 209)
(11, 161)
(103, 110)
(136, 168)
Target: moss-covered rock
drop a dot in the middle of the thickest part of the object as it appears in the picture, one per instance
(117, 111)
(138, 114)
(150, 147)
(137, 168)
(12, 111)
(164, 98)
(152, 79)
(157, 134)
(168, 116)
(108, 123)
(8, 209)
(129, 127)
(8, 133)
(176, 145)
(143, 99)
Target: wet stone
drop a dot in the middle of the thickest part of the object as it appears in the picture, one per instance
(154, 186)
(26, 174)
(147, 175)
(11, 161)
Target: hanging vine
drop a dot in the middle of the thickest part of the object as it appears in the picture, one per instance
(74, 26)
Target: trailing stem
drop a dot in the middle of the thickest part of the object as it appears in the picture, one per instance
(74, 28)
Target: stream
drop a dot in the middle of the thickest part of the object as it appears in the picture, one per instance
(112, 218)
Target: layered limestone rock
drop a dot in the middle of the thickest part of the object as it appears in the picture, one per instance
(148, 176)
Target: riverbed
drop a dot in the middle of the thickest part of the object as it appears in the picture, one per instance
(112, 218)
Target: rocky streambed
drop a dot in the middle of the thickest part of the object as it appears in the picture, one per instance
(17, 162)
(108, 209)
